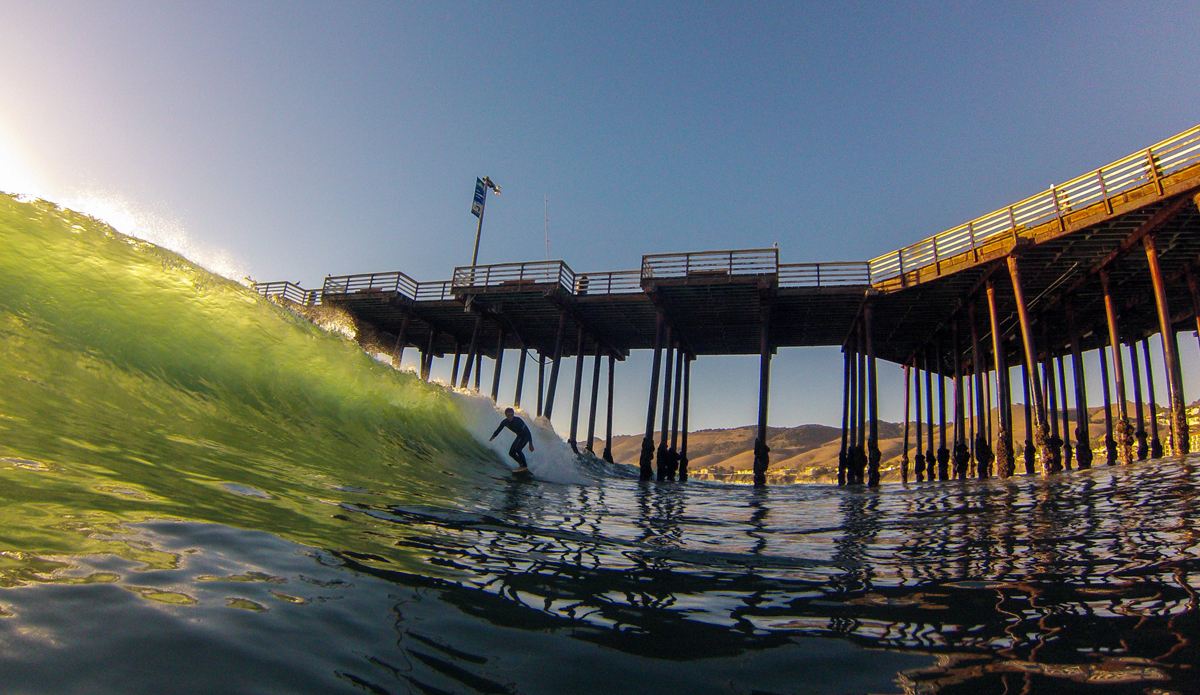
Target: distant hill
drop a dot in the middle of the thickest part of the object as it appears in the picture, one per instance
(809, 453)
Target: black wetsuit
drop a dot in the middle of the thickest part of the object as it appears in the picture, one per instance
(524, 436)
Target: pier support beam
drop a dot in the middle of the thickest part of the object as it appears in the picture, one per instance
(1030, 449)
(1156, 447)
(930, 457)
(607, 456)
(1083, 421)
(907, 405)
(457, 357)
(1055, 442)
(983, 448)
(646, 462)
(663, 463)
(401, 340)
(687, 393)
(919, 458)
(1040, 429)
(591, 435)
(962, 453)
(472, 351)
(846, 388)
(943, 454)
(1005, 466)
(478, 369)
(1179, 424)
(427, 362)
(1139, 413)
(579, 356)
(858, 462)
(520, 376)
(673, 459)
(499, 365)
(1064, 411)
(761, 450)
(1122, 431)
(541, 387)
(555, 363)
(1110, 443)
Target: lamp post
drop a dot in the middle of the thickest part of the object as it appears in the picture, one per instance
(481, 189)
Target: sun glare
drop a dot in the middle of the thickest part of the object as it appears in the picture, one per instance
(15, 176)
(122, 214)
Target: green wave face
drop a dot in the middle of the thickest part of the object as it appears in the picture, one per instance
(137, 385)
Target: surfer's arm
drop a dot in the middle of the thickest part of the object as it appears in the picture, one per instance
(497, 431)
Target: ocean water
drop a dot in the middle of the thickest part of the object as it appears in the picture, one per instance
(202, 493)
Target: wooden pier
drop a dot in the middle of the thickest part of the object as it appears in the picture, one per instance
(1104, 260)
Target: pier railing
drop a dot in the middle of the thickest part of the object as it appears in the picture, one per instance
(513, 277)
(288, 291)
(434, 291)
(1149, 166)
(710, 265)
(824, 274)
(613, 282)
(370, 282)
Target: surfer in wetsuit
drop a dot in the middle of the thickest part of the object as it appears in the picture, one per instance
(524, 436)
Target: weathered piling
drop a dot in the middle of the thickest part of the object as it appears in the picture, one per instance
(454, 368)
(1067, 449)
(904, 450)
(983, 449)
(663, 462)
(1041, 432)
(673, 459)
(608, 421)
(1122, 431)
(1110, 442)
(1140, 434)
(1179, 425)
(761, 450)
(499, 365)
(1055, 442)
(687, 393)
(943, 454)
(471, 352)
(846, 424)
(874, 456)
(576, 392)
(1004, 448)
(646, 462)
(1156, 447)
(591, 434)
(541, 385)
(919, 458)
(930, 456)
(555, 364)
(1030, 451)
(1083, 432)
(524, 354)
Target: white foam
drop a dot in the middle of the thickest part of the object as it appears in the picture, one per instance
(552, 458)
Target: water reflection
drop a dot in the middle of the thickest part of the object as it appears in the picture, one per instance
(1026, 585)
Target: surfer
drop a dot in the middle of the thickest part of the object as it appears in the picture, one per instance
(524, 436)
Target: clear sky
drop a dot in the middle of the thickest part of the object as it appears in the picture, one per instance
(291, 140)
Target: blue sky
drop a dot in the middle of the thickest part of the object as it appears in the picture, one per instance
(299, 139)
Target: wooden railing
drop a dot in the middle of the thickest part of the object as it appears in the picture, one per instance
(824, 274)
(513, 276)
(288, 291)
(371, 282)
(434, 291)
(710, 265)
(612, 282)
(1144, 168)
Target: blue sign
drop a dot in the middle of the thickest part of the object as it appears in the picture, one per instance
(480, 198)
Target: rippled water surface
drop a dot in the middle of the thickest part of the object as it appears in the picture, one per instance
(1078, 583)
